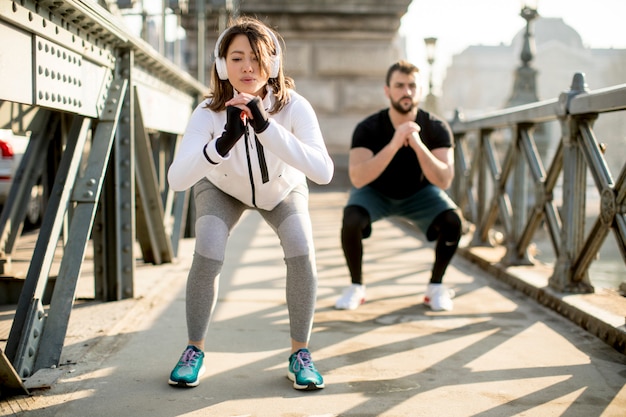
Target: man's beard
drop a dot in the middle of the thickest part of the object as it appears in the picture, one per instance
(401, 109)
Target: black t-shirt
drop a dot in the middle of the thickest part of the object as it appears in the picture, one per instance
(403, 176)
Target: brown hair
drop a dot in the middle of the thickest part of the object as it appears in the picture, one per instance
(403, 66)
(263, 46)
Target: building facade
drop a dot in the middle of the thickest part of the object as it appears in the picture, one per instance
(560, 52)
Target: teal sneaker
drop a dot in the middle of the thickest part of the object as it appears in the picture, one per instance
(189, 368)
(302, 371)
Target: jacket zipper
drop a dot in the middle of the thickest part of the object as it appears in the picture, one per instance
(247, 143)
(262, 163)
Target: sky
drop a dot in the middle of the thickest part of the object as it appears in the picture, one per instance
(458, 24)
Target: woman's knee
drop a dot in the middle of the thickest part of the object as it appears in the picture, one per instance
(211, 237)
(296, 236)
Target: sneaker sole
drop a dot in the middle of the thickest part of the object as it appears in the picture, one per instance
(184, 384)
(311, 387)
(348, 308)
(427, 304)
(439, 309)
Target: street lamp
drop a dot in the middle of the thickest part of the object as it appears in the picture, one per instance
(524, 92)
(430, 103)
(430, 57)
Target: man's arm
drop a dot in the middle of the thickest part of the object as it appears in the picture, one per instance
(364, 167)
(437, 164)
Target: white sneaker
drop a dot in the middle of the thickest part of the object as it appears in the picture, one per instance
(352, 297)
(438, 297)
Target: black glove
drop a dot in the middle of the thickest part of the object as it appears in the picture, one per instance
(233, 130)
(259, 120)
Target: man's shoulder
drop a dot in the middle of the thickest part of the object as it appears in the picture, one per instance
(423, 115)
(433, 121)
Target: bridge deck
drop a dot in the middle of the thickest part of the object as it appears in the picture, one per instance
(499, 353)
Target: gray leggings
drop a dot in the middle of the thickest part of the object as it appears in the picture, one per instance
(216, 215)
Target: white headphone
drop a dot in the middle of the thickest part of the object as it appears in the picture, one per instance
(220, 62)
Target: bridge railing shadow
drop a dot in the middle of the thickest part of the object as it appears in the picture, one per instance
(495, 354)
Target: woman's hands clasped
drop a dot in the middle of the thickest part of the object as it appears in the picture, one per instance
(252, 106)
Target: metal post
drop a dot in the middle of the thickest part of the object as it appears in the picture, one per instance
(201, 42)
(574, 192)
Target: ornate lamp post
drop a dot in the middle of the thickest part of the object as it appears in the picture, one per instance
(525, 87)
(430, 104)
(524, 92)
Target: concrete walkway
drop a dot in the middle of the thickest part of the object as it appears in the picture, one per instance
(498, 353)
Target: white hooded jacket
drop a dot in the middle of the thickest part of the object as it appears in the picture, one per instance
(292, 148)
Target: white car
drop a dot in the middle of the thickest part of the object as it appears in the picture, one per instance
(12, 148)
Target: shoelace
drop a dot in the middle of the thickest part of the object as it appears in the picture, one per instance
(189, 358)
(303, 359)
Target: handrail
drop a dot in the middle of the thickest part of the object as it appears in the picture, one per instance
(510, 207)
